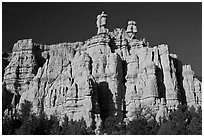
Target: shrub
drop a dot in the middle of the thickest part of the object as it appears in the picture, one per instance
(113, 125)
(195, 126)
(70, 127)
(183, 121)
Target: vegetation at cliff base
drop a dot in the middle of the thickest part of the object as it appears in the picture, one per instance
(183, 121)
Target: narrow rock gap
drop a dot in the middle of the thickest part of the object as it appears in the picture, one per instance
(179, 77)
(160, 80)
(152, 56)
(76, 97)
(124, 70)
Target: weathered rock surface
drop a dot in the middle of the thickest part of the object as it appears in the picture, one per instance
(192, 87)
(112, 73)
(22, 67)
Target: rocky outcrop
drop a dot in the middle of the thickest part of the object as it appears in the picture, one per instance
(162, 113)
(22, 67)
(65, 86)
(192, 87)
(19, 72)
(112, 73)
(169, 77)
(141, 85)
(107, 70)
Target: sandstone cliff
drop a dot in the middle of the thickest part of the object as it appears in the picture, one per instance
(112, 73)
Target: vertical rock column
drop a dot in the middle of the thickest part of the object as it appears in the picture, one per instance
(133, 93)
(114, 79)
(191, 86)
(169, 79)
(107, 70)
(141, 85)
(198, 91)
(150, 89)
(147, 77)
(85, 90)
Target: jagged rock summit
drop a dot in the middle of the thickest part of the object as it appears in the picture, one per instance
(112, 73)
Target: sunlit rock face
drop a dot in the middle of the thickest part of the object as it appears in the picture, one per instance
(112, 73)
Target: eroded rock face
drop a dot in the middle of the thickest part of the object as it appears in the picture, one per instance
(192, 87)
(22, 67)
(112, 73)
(169, 77)
(65, 86)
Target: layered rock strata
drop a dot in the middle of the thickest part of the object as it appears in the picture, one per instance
(112, 73)
(22, 67)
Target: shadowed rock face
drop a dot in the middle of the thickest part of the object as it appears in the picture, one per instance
(5, 61)
(112, 73)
